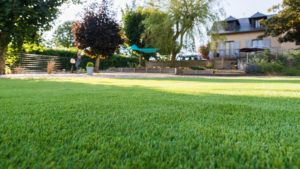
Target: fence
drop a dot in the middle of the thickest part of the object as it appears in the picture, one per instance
(143, 70)
(166, 64)
(235, 53)
(219, 63)
(38, 63)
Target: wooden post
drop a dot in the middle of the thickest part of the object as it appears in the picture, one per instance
(222, 63)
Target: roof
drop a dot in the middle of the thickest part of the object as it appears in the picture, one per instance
(244, 24)
(231, 18)
(258, 15)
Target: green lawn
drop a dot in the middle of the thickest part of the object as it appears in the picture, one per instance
(150, 123)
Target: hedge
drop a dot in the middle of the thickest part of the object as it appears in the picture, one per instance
(64, 57)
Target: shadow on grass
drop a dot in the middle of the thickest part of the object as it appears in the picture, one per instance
(81, 125)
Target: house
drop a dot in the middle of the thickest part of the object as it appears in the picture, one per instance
(244, 33)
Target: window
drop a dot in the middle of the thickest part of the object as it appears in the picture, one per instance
(257, 24)
(229, 48)
(257, 43)
(232, 26)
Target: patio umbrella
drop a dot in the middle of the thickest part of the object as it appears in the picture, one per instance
(249, 50)
(144, 50)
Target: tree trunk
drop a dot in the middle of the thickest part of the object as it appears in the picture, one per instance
(97, 66)
(140, 60)
(173, 59)
(2, 60)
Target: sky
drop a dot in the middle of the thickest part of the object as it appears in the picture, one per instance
(235, 8)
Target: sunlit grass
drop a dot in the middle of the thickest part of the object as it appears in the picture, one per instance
(268, 87)
(150, 123)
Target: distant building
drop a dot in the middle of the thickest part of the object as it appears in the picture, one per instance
(244, 33)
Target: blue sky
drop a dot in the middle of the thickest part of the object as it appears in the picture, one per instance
(235, 8)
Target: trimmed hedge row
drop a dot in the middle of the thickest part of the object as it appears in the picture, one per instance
(65, 56)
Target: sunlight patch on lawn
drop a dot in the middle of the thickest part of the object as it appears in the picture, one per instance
(200, 86)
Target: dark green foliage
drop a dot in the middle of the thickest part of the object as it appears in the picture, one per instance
(286, 24)
(294, 67)
(63, 36)
(271, 67)
(119, 61)
(66, 55)
(198, 68)
(23, 21)
(280, 64)
(133, 26)
(142, 123)
(253, 69)
(159, 31)
(292, 71)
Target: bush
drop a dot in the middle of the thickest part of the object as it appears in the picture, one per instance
(198, 68)
(119, 61)
(271, 67)
(253, 69)
(65, 54)
(7, 70)
(90, 64)
(292, 72)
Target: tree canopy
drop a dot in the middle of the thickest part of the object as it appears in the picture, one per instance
(159, 31)
(63, 36)
(166, 24)
(98, 34)
(22, 21)
(133, 26)
(188, 17)
(286, 24)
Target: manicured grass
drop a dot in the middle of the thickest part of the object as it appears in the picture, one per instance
(150, 123)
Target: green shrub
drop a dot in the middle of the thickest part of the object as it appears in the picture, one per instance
(253, 69)
(65, 54)
(292, 72)
(90, 64)
(198, 68)
(209, 65)
(271, 67)
(12, 56)
(119, 61)
(7, 70)
(294, 65)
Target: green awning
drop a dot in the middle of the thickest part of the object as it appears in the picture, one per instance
(144, 50)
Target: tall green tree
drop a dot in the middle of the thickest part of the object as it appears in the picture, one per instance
(159, 31)
(63, 36)
(286, 24)
(187, 17)
(22, 20)
(133, 26)
(98, 33)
